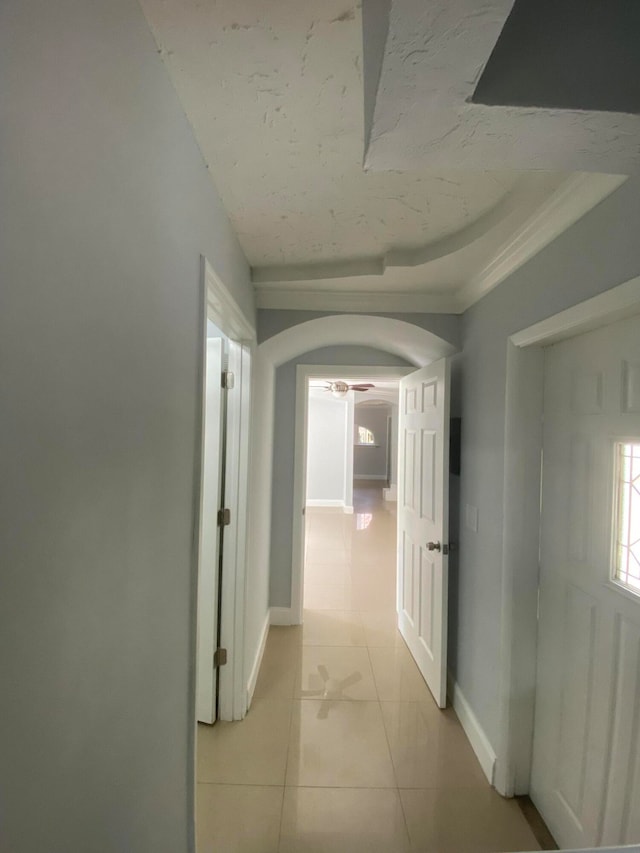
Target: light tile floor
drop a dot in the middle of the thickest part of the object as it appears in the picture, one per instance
(344, 749)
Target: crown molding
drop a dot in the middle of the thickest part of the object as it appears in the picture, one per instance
(369, 302)
(378, 265)
(574, 197)
(222, 308)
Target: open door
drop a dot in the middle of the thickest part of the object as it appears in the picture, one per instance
(423, 521)
(209, 535)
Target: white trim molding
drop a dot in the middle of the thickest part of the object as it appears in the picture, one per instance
(326, 287)
(368, 476)
(606, 307)
(282, 616)
(222, 308)
(574, 197)
(475, 733)
(257, 662)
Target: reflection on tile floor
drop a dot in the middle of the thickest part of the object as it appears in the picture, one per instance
(344, 749)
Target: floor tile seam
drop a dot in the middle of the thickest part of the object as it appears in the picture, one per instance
(344, 787)
(332, 646)
(386, 736)
(244, 784)
(395, 776)
(375, 680)
(475, 788)
(337, 701)
(286, 766)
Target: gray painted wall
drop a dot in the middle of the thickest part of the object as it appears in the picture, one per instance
(106, 207)
(599, 252)
(326, 450)
(446, 326)
(283, 453)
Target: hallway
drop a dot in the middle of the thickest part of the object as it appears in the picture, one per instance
(344, 748)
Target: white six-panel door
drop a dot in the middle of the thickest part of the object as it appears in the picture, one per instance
(423, 486)
(586, 760)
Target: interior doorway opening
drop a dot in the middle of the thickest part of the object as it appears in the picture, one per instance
(350, 511)
(221, 490)
(422, 543)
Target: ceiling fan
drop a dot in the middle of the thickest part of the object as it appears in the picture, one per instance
(340, 388)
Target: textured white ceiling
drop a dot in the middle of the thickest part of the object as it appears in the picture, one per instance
(274, 93)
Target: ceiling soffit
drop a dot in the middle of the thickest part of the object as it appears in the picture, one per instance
(433, 57)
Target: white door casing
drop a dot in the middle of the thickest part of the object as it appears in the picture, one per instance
(208, 544)
(586, 757)
(423, 509)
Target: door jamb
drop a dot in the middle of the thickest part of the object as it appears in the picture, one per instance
(223, 310)
(521, 526)
(304, 372)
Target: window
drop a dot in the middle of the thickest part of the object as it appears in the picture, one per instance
(626, 569)
(365, 436)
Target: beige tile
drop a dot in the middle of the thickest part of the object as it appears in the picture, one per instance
(464, 821)
(357, 820)
(238, 818)
(252, 751)
(335, 673)
(381, 628)
(373, 593)
(338, 744)
(338, 571)
(429, 749)
(332, 628)
(280, 663)
(326, 596)
(397, 677)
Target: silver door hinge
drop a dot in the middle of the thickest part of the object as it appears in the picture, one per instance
(228, 380)
(224, 517)
(219, 657)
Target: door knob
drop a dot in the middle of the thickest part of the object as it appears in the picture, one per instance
(434, 546)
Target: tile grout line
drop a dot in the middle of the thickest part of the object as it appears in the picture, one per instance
(393, 765)
(379, 704)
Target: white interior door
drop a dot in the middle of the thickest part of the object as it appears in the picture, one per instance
(209, 539)
(586, 753)
(423, 521)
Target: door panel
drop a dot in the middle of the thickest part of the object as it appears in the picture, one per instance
(586, 774)
(423, 518)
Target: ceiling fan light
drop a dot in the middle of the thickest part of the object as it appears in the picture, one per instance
(339, 389)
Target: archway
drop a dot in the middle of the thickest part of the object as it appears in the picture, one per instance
(416, 345)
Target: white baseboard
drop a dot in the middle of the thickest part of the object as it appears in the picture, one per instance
(390, 494)
(282, 616)
(348, 510)
(369, 476)
(323, 502)
(255, 669)
(473, 730)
